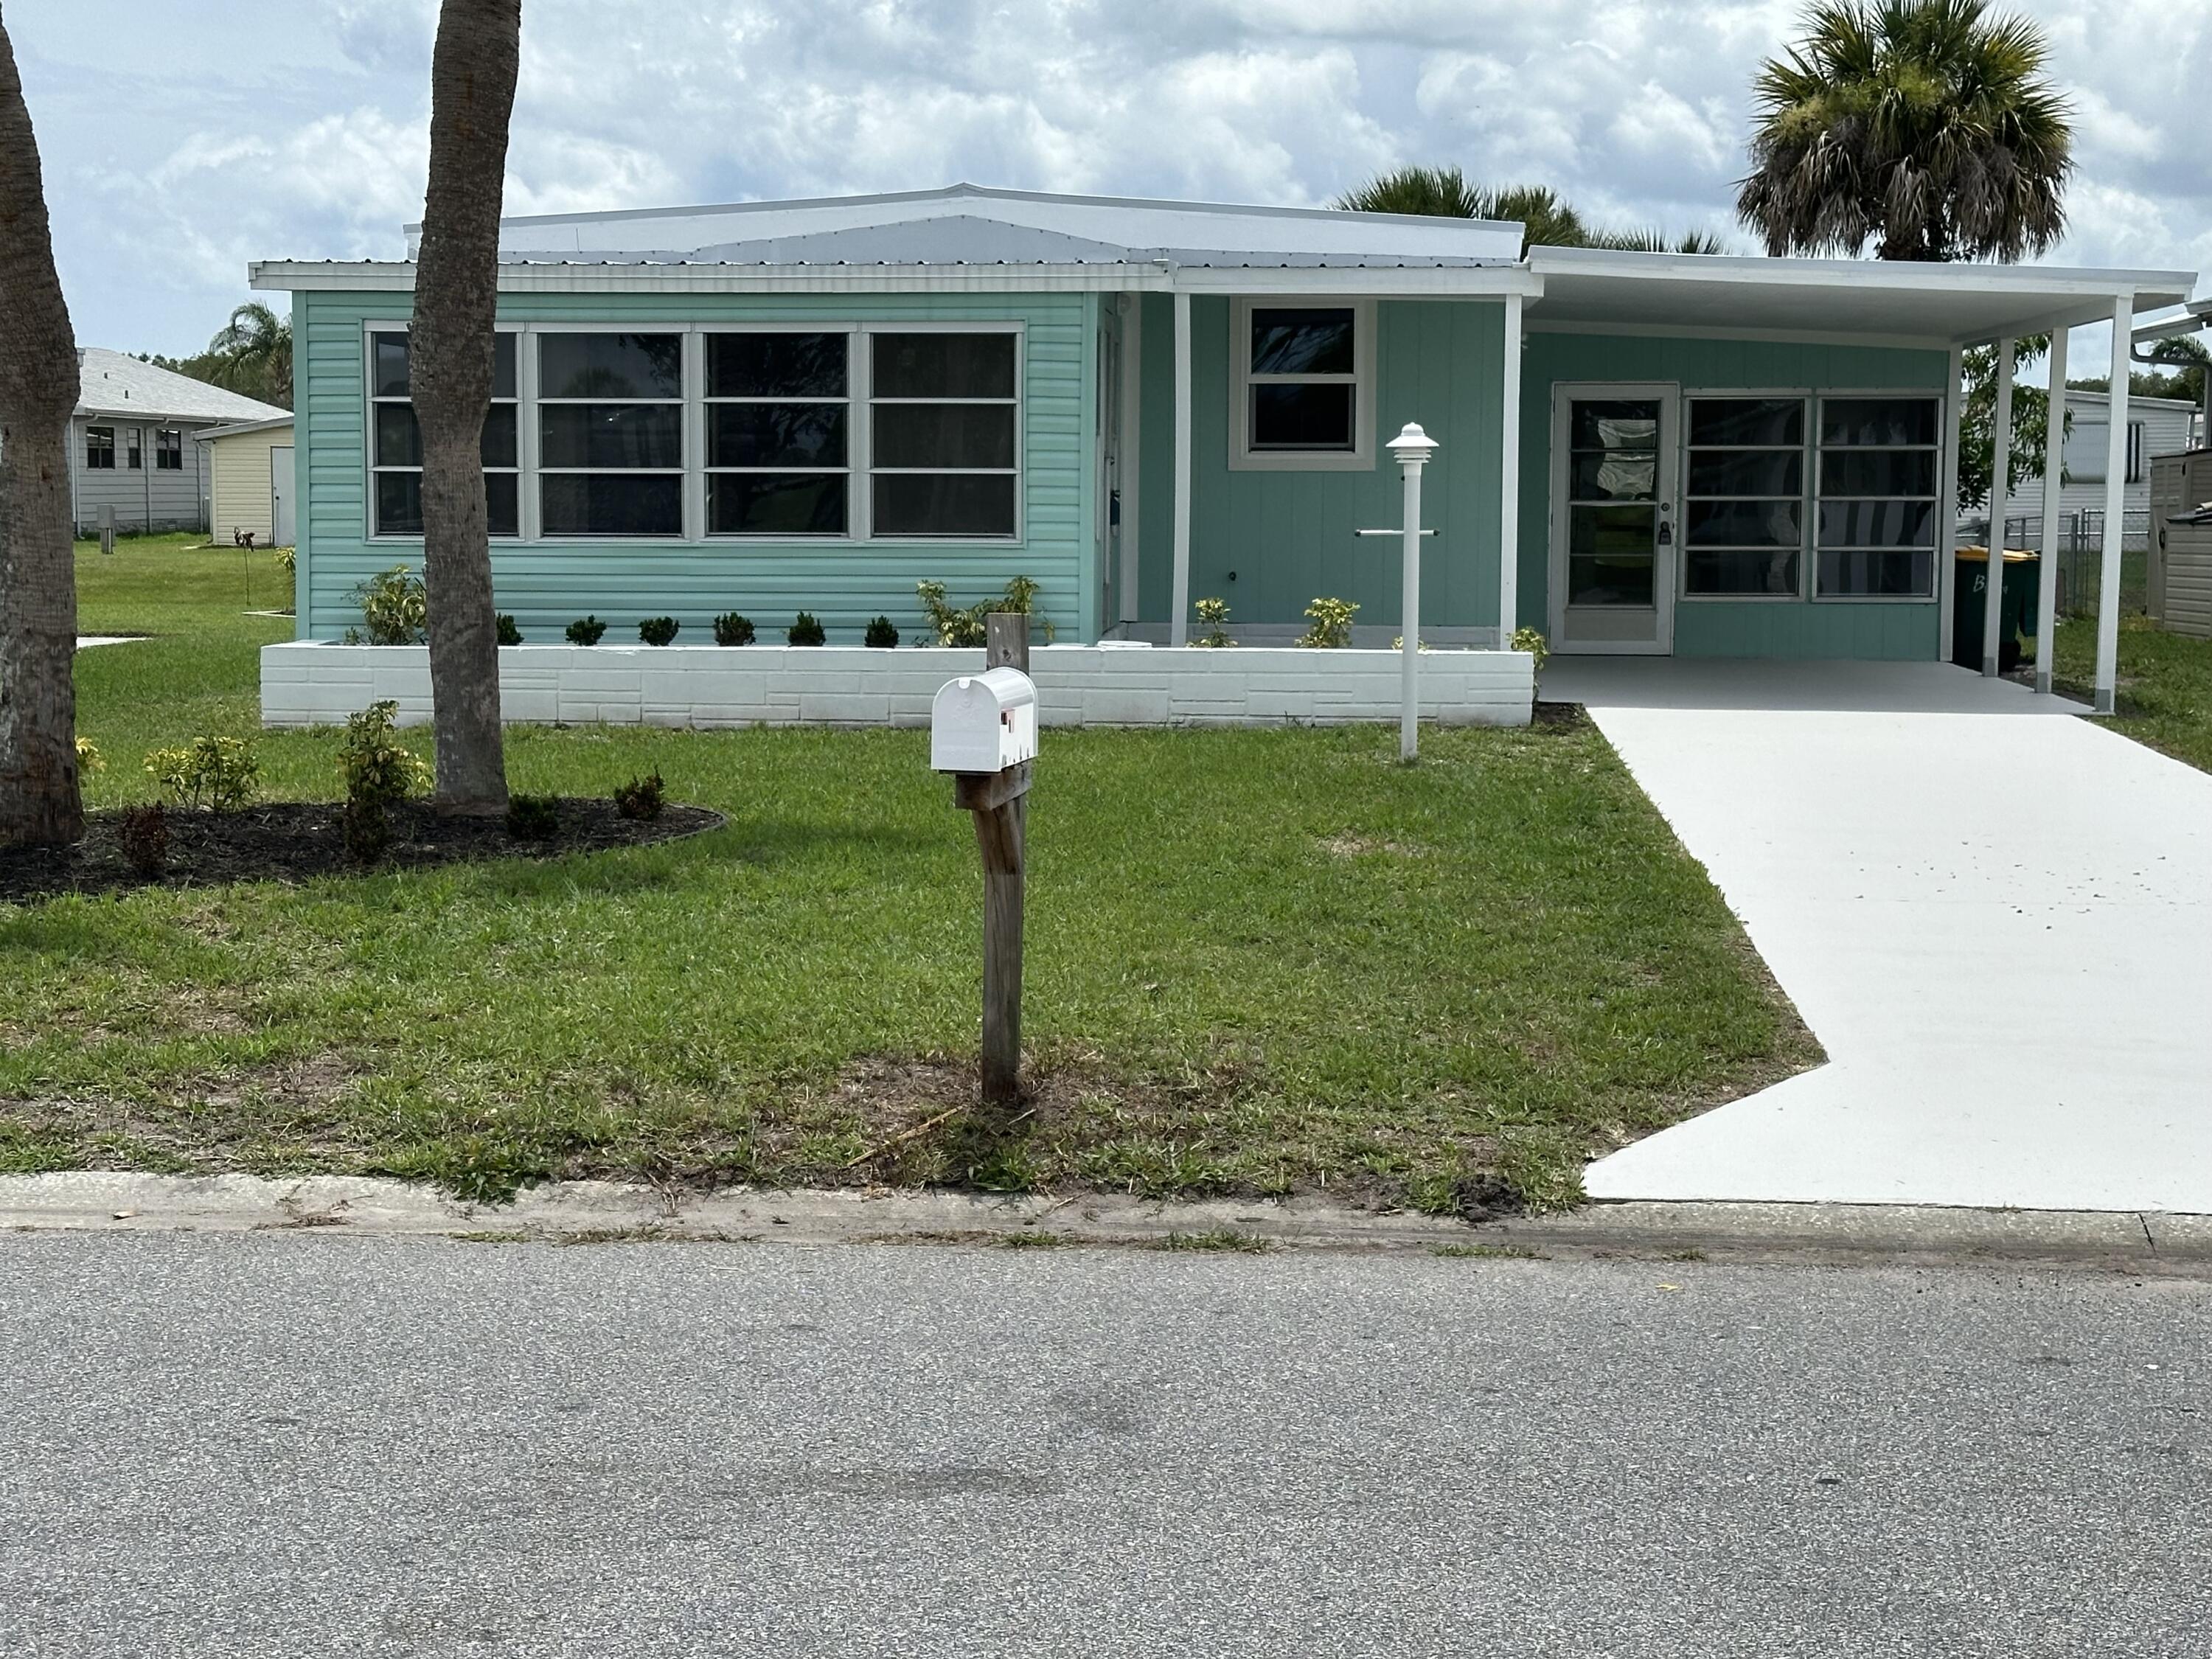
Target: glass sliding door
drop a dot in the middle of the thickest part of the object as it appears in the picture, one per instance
(1613, 517)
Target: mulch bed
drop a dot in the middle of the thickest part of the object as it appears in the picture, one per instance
(298, 840)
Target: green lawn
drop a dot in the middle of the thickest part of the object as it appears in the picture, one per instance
(2165, 685)
(1258, 962)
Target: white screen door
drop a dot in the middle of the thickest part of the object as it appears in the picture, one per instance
(1613, 525)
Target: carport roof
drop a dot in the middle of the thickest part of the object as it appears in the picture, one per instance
(1956, 304)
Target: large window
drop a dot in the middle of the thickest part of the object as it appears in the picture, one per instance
(99, 448)
(396, 442)
(1878, 517)
(1304, 385)
(169, 450)
(610, 435)
(944, 435)
(779, 418)
(1743, 518)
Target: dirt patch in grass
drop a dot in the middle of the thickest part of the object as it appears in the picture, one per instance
(298, 841)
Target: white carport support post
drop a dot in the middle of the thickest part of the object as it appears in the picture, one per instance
(1179, 627)
(2054, 483)
(2116, 498)
(2000, 498)
(1508, 479)
(1946, 532)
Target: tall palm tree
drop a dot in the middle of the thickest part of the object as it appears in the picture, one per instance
(40, 802)
(473, 66)
(1546, 220)
(1925, 126)
(253, 354)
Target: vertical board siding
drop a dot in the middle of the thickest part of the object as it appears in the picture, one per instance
(1271, 542)
(548, 584)
(1882, 629)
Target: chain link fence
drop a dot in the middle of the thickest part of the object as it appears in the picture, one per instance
(2080, 544)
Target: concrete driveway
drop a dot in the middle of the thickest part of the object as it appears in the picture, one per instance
(1996, 915)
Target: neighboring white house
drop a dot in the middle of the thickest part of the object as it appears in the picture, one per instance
(2156, 426)
(250, 480)
(130, 444)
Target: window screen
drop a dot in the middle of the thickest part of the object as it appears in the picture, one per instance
(945, 431)
(1743, 510)
(396, 443)
(1303, 379)
(1878, 519)
(611, 434)
(779, 414)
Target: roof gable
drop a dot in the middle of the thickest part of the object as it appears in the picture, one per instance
(114, 383)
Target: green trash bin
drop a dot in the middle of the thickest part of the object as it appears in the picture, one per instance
(1970, 605)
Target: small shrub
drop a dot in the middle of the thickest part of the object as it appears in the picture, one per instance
(640, 798)
(1398, 644)
(970, 627)
(218, 774)
(585, 630)
(89, 760)
(378, 770)
(533, 818)
(143, 835)
(1331, 620)
(392, 607)
(807, 631)
(658, 630)
(1533, 643)
(731, 629)
(1214, 613)
(881, 635)
(508, 633)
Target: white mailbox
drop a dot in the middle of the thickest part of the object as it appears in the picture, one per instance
(983, 722)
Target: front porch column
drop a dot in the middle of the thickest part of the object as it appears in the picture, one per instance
(2054, 482)
(2000, 498)
(2116, 498)
(1946, 531)
(1179, 626)
(1508, 479)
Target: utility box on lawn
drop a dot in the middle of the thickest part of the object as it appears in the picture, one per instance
(985, 722)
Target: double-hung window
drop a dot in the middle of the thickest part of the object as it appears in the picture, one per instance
(396, 441)
(779, 418)
(134, 440)
(99, 448)
(1743, 510)
(169, 450)
(1303, 385)
(1878, 516)
(944, 450)
(610, 435)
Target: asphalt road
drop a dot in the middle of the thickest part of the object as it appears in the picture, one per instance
(303, 1444)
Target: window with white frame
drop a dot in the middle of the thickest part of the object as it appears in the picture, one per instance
(99, 448)
(1879, 496)
(134, 440)
(169, 450)
(943, 434)
(395, 451)
(1743, 509)
(2134, 451)
(609, 433)
(779, 442)
(1304, 383)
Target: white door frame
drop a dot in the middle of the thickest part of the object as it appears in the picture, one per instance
(1666, 569)
(1113, 460)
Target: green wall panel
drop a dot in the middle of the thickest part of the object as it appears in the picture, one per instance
(547, 584)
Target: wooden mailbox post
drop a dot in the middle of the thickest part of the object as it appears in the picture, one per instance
(984, 731)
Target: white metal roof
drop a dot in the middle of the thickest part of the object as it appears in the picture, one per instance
(113, 383)
(240, 428)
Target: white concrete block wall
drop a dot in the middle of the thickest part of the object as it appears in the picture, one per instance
(307, 682)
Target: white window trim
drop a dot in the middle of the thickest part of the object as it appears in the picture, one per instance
(1937, 575)
(1808, 503)
(865, 469)
(370, 329)
(111, 445)
(1243, 458)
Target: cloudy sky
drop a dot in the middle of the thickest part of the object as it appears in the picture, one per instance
(182, 140)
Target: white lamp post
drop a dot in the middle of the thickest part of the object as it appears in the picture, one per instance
(1412, 448)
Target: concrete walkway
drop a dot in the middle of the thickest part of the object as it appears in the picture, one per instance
(1996, 917)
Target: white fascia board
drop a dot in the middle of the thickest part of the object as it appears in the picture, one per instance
(1906, 275)
(1434, 282)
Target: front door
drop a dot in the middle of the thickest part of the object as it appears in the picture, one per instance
(1614, 524)
(1109, 465)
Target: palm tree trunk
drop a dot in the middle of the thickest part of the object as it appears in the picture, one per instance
(41, 804)
(472, 74)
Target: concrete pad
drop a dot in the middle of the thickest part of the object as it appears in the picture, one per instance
(86, 641)
(1999, 925)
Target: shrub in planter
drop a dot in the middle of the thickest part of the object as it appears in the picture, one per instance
(143, 835)
(1214, 613)
(807, 631)
(881, 635)
(218, 774)
(585, 630)
(640, 798)
(508, 633)
(969, 627)
(658, 630)
(392, 607)
(1332, 624)
(378, 770)
(731, 629)
(533, 818)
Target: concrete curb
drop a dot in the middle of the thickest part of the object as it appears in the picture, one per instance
(592, 1211)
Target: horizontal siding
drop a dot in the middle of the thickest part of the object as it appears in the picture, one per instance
(546, 585)
(238, 484)
(144, 497)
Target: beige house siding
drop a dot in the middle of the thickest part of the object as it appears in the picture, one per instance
(239, 490)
